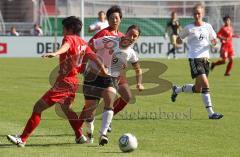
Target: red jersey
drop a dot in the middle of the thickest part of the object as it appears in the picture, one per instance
(72, 60)
(226, 32)
(105, 32)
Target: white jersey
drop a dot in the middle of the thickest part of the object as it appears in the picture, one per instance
(198, 39)
(100, 24)
(112, 56)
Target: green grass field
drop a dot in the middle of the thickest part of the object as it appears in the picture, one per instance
(23, 81)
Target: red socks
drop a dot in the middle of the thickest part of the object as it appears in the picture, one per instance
(35, 119)
(118, 105)
(219, 62)
(32, 123)
(229, 67)
(76, 123)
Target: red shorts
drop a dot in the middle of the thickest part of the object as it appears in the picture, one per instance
(122, 79)
(226, 51)
(62, 92)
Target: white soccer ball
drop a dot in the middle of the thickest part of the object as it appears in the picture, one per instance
(128, 142)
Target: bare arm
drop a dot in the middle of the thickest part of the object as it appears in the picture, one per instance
(92, 56)
(63, 49)
(138, 71)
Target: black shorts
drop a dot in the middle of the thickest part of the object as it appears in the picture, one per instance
(199, 66)
(94, 85)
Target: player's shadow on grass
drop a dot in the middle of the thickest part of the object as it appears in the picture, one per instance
(113, 152)
(52, 135)
(6, 145)
(46, 135)
(51, 144)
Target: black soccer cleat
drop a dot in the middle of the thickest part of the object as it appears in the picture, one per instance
(216, 116)
(174, 94)
(103, 140)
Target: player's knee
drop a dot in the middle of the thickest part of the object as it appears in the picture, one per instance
(40, 106)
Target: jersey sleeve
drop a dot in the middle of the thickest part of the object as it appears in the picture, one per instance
(97, 35)
(68, 39)
(90, 54)
(184, 33)
(212, 33)
(133, 56)
(220, 33)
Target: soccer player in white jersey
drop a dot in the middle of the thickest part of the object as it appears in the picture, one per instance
(100, 24)
(200, 36)
(115, 52)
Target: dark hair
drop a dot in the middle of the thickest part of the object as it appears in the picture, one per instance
(72, 23)
(174, 12)
(114, 9)
(101, 12)
(135, 27)
(225, 18)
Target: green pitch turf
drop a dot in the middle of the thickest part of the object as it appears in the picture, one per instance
(163, 128)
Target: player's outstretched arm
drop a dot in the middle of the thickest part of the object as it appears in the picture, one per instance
(63, 49)
(138, 72)
(92, 56)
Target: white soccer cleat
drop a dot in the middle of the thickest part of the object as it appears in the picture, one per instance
(81, 140)
(16, 140)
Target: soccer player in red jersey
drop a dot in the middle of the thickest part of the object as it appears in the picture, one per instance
(114, 16)
(70, 54)
(226, 34)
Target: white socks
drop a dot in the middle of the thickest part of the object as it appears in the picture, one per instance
(188, 88)
(107, 116)
(90, 126)
(208, 103)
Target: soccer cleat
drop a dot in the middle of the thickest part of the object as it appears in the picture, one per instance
(216, 116)
(226, 74)
(212, 67)
(110, 128)
(103, 139)
(81, 140)
(174, 94)
(90, 137)
(16, 140)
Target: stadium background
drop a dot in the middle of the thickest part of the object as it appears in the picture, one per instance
(151, 16)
